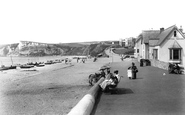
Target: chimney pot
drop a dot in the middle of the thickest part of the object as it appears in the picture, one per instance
(181, 29)
(161, 30)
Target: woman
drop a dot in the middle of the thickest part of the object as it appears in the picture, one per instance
(134, 70)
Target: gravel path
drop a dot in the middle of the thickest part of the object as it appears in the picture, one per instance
(50, 90)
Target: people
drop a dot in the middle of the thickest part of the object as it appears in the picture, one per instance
(116, 74)
(93, 78)
(134, 70)
(95, 59)
(107, 80)
(129, 73)
(102, 72)
(78, 59)
(111, 80)
(116, 79)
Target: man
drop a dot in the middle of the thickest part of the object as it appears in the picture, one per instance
(102, 71)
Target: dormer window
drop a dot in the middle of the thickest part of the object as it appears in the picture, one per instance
(175, 33)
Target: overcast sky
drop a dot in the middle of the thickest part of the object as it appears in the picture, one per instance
(61, 21)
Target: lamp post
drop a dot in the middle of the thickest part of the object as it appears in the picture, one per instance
(112, 52)
(112, 56)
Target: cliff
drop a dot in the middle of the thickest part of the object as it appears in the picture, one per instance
(91, 48)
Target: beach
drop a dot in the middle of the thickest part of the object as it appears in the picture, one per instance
(50, 90)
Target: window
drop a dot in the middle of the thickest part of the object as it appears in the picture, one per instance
(175, 33)
(175, 54)
(137, 50)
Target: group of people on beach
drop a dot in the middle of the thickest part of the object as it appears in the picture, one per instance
(82, 60)
(112, 79)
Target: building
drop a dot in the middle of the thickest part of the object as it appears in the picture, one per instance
(122, 42)
(142, 43)
(161, 46)
(130, 42)
(31, 43)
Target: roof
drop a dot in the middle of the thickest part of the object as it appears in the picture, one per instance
(149, 34)
(153, 42)
(139, 37)
(155, 37)
(175, 44)
(162, 36)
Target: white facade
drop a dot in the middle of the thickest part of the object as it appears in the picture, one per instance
(164, 53)
(138, 49)
(163, 49)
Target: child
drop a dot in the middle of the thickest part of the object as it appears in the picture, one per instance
(129, 73)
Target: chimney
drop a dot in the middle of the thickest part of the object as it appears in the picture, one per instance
(181, 29)
(161, 30)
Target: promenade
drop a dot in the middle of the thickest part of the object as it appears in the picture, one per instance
(152, 93)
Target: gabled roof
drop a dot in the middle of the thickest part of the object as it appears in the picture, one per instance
(175, 44)
(155, 37)
(162, 36)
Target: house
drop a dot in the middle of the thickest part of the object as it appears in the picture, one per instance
(162, 46)
(142, 43)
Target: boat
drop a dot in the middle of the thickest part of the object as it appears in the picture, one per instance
(49, 62)
(12, 67)
(39, 65)
(25, 66)
(3, 68)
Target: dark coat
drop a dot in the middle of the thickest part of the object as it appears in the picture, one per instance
(134, 71)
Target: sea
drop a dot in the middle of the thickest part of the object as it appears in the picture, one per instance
(15, 60)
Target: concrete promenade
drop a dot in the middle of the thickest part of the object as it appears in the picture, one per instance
(152, 93)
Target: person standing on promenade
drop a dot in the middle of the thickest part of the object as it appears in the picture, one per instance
(134, 70)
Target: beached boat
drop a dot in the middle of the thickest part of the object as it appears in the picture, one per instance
(49, 62)
(12, 67)
(40, 65)
(3, 68)
(26, 66)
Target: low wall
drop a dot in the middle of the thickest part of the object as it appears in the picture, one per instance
(86, 104)
(159, 64)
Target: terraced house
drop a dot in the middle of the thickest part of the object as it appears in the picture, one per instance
(161, 46)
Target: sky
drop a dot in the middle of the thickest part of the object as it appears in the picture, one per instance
(64, 21)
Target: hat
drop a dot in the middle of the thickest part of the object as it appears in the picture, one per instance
(116, 71)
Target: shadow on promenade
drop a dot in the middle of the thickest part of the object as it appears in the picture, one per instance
(121, 91)
(117, 91)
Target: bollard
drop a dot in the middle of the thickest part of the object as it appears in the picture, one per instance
(86, 104)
